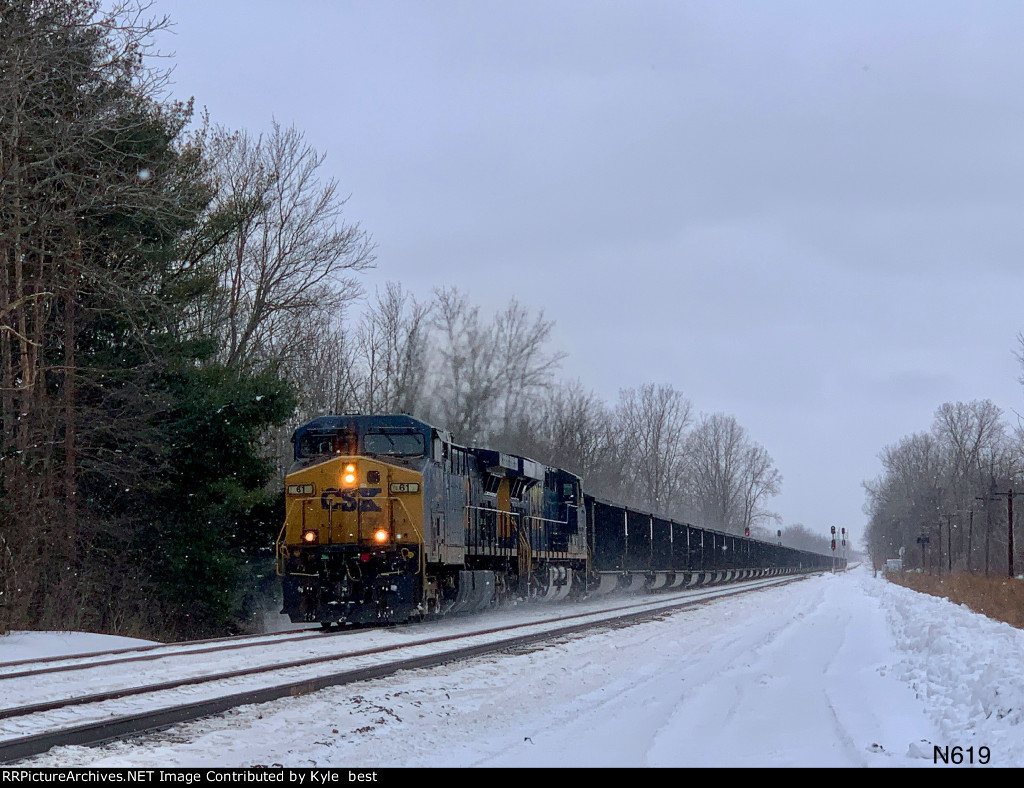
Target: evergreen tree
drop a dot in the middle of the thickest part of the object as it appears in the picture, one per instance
(129, 460)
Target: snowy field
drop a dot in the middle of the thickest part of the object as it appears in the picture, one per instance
(834, 671)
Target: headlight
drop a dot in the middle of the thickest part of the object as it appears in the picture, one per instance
(380, 536)
(349, 477)
(310, 537)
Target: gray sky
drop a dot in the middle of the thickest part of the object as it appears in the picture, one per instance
(803, 214)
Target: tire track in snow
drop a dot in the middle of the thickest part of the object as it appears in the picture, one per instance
(632, 711)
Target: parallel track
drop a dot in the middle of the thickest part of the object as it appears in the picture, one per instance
(56, 717)
(153, 652)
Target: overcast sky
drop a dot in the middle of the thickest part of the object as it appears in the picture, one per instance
(806, 215)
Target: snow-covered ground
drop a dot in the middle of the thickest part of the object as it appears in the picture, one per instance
(17, 646)
(832, 671)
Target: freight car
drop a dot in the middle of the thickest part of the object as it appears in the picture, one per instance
(387, 519)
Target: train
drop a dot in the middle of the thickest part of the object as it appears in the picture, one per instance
(387, 520)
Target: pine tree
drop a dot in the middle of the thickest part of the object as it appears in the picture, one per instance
(107, 402)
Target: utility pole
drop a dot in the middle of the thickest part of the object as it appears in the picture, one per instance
(949, 543)
(970, 534)
(1009, 532)
(988, 536)
(988, 520)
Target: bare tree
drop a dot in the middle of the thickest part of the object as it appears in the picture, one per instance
(524, 366)
(729, 476)
(969, 431)
(572, 428)
(393, 343)
(936, 485)
(327, 373)
(902, 501)
(465, 386)
(761, 480)
(799, 537)
(286, 254)
(652, 422)
(486, 373)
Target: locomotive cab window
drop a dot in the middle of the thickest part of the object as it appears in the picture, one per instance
(314, 444)
(399, 444)
(520, 486)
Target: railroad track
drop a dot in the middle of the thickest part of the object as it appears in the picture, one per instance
(90, 702)
(69, 662)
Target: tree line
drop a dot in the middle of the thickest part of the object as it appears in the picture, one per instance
(494, 382)
(141, 271)
(175, 296)
(941, 501)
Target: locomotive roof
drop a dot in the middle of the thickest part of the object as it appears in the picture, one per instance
(514, 464)
(359, 422)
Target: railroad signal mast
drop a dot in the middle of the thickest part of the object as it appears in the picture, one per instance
(923, 541)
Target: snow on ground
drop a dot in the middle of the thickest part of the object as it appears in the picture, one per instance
(839, 671)
(20, 645)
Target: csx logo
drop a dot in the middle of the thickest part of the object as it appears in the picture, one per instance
(335, 500)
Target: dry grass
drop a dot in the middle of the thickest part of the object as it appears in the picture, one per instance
(996, 597)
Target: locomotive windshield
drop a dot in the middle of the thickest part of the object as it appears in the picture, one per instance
(320, 444)
(401, 444)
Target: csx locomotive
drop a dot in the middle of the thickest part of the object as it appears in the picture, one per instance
(387, 519)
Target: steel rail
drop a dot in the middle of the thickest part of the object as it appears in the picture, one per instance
(25, 710)
(184, 644)
(170, 654)
(95, 733)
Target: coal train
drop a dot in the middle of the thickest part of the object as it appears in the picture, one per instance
(387, 519)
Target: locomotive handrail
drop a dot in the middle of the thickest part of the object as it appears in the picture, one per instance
(496, 511)
(520, 515)
(421, 564)
(281, 550)
(545, 519)
(525, 555)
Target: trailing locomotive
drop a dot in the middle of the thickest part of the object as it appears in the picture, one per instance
(388, 519)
